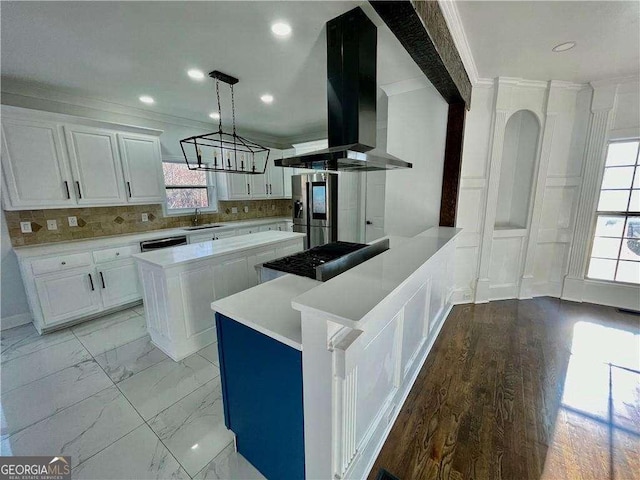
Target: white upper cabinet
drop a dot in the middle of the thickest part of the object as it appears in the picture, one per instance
(35, 166)
(276, 178)
(260, 183)
(51, 160)
(95, 165)
(142, 168)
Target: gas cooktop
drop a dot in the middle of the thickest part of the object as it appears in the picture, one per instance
(327, 261)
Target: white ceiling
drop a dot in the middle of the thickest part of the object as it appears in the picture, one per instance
(515, 39)
(117, 51)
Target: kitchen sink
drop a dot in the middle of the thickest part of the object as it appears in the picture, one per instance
(202, 227)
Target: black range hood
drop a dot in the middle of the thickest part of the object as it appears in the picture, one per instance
(351, 95)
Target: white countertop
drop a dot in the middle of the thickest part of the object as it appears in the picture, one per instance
(130, 238)
(169, 257)
(267, 308)
(349, 297)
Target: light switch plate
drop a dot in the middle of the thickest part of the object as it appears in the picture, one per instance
(145, 217)
(234, 209)
(25, 227)
(273, 207)
(246, 209)
(73, 221)
(52, 224)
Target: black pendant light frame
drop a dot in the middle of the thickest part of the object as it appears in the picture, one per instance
(231, 153)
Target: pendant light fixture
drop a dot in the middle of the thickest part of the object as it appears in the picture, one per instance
(222, 151)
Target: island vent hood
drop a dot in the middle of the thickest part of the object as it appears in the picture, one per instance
(351, 95)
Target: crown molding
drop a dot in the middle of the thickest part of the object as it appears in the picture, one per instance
(624, 83)
(32, 90)
(454, 22)
(22, 94)
(522, 82)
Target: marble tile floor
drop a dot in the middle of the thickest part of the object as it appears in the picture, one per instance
(101, 390)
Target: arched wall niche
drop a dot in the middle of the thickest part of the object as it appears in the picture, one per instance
(517, 170)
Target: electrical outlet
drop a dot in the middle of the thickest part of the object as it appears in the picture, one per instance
(52, 225)
(25, 227)
(273, 207)
(246, 209)
(234, 209)
(73, 221)
(145, 217)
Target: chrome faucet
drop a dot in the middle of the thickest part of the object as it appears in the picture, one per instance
(196, 218)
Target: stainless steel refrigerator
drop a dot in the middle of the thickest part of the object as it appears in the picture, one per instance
(315, 207)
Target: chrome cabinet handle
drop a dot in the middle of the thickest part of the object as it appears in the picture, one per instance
(102, 280)
(248, 189)
(66, 187)
(79, 191)
(129, 188)
(64, 263)
(270, 189)
(91, 282)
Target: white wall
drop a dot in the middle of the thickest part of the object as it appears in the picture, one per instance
(14, 309)
(614, 114)
(416, 132)
(540, 263)
(532, 262)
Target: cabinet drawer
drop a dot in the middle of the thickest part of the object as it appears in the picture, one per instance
(59, 263)
(117, 253)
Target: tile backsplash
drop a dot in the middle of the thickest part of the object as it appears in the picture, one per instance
(103, 221)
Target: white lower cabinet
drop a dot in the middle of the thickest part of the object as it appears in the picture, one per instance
(119, 283)
(75, 285)
(68, 295)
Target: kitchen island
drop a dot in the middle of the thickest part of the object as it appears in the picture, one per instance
(313, 390)
(179, 283)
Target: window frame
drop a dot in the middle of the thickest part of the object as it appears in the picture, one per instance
(211, 188)
(625, 214)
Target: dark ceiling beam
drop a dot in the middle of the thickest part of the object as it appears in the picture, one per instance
(423, 32)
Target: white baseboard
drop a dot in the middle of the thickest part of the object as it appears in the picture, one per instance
(602, 293)
(15, 321)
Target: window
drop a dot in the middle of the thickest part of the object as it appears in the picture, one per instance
(188, 189)
(615, 255)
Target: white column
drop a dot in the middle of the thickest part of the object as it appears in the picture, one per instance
(546, 130)
(499, 125)
(602, 107)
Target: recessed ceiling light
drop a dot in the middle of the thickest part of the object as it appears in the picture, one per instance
(214, 115)
(563, 47)
(196, 74)
(146, 99)
(266, 98)
(281, 29)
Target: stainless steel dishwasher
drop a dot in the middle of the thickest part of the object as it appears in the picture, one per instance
(159, 243)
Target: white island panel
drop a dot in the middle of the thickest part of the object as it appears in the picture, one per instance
(180, 283)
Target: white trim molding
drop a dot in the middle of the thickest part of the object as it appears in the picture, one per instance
(15, 321)
(454, 22)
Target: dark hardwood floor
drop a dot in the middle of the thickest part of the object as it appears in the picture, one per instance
(515, 390)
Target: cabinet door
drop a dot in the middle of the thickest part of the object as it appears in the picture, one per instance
(142, 168)
(67, 295)
(35, 167)
(229, 234)
(230, 277)
(96, 167)
(260, 183)
(239, 185)
(276, 182)
(118, 283)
